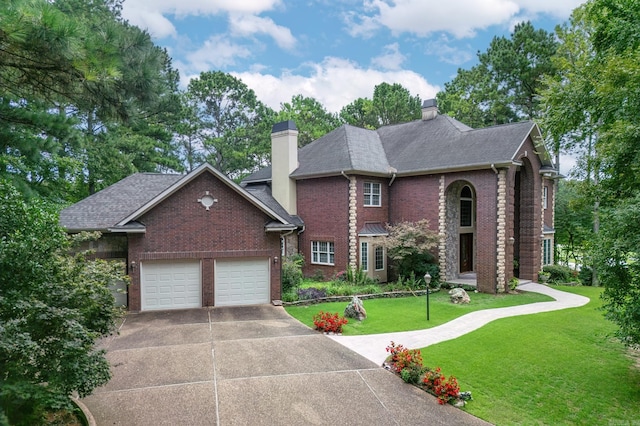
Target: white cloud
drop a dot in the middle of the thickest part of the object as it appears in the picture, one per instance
(391, 59)
(461, 18)
(446, 53)
(334, 82)
(216, 52)
(248, 25)
(150, 14)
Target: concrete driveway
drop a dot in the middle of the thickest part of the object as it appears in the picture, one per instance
(250, 365)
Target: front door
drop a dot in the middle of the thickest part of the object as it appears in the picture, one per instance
(466, 252)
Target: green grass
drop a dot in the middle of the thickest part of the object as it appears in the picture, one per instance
(554, 368)
(410, 313)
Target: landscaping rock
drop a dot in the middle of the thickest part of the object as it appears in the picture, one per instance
(355, 309)
(458, 295)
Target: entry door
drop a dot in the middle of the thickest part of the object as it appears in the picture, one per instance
(466, 252)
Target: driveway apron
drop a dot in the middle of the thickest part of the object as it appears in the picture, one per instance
(249, 365)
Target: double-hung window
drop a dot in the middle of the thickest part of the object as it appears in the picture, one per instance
(372, 191)
(546, 252)
(322, 252)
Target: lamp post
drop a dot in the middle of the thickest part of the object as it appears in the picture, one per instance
(427, 279)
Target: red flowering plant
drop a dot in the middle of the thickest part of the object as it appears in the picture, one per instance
(446, 390)
(328, 322)
(406, 362)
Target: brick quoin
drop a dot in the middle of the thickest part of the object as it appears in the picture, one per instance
(181, 228)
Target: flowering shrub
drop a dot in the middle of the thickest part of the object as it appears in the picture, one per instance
(406, 362)
(447, 390)
(328, 322)
(311, 293)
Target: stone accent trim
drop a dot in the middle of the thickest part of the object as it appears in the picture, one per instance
(442, 229)
(501, 265)
(353, 223)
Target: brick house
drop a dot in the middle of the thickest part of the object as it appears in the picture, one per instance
(488, 193)
(202, 240)
(188, 240)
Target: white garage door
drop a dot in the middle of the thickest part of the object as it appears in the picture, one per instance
(171, 285)
(242, 282)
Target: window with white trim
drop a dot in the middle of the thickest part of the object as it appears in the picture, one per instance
(364, 256)
(379, 255)
(545, 194)
(322, 252)
(372, 191)
(466, 207)
(546, 252)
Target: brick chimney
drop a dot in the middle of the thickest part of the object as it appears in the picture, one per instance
(429, 109)
(284, 160)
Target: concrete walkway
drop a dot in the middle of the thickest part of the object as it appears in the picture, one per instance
(373, 346)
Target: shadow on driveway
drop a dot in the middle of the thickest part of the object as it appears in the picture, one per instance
(249, 365)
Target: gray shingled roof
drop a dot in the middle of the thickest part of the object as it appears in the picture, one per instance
(104, 209)
(441, 143)
(416, 147)
(263, 193)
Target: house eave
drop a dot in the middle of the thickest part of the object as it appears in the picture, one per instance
(461, 168)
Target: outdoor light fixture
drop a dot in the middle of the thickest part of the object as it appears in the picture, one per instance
(133, 265)
(275, 259)
(427, 279)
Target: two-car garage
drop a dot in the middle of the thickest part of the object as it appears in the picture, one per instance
(177, 284)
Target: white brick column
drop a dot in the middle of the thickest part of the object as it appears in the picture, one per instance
(501, 265)
(353, 223)
(442, 230)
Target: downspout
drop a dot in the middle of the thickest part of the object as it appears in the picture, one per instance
(393, 177)
(344, 174)
(493, 167)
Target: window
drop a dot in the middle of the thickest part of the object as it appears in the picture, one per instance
(466, 207)
(546, 252)
(364, 256)
(545, 194)
(372, 194)
(322, 252)
(379, 258)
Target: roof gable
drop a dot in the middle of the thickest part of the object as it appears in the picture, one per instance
(118, 206)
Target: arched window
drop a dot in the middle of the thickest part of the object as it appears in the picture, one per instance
(466, 207)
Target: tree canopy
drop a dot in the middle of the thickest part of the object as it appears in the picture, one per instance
(53, 308)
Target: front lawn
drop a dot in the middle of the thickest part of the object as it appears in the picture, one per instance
(410, 313)
(554, 368)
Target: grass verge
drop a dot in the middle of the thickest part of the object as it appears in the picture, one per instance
(554, 368)
(409, 313)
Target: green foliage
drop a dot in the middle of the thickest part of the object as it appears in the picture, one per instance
(310, 116)
(513, 283)
(234, 127)
(586, 275)
(356, 277)
(559, 274)
(53, 307)
(292, 272)
(505, 85)
(391, 104)
(408, 246)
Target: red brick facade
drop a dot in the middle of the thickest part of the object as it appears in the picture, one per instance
(181, 228)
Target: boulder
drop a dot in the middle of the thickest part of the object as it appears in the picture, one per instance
(458, 295)
(355, 309)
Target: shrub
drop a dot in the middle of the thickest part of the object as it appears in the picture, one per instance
(311, 293)
(586, 275)
(292, 272)
(559, 273)
(513, 283)
(289, 296)
(402, 359)
(356, 277)
(318, 275)
(328, 322)
(446, 390)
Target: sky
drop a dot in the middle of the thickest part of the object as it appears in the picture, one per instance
(334, 50)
